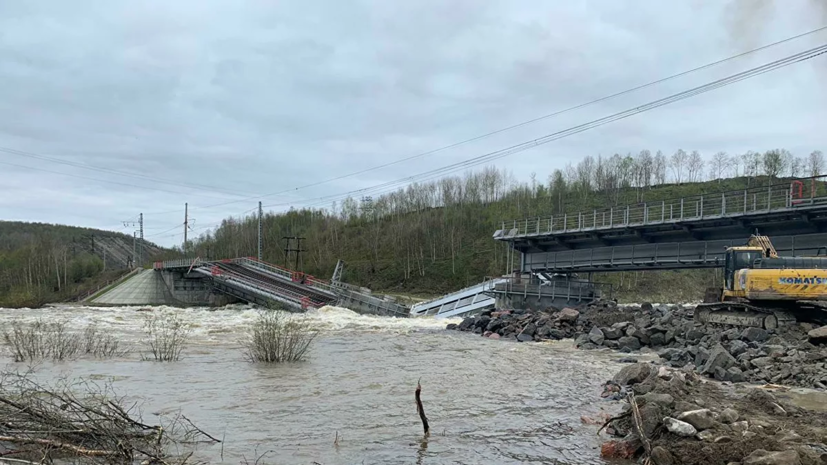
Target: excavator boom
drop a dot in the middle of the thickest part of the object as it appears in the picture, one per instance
(765, 244)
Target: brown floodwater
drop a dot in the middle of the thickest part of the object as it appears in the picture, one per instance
(488, 402)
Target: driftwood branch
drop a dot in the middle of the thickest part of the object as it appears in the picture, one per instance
(638, 423)
(80, 422)
(610, 420)
(60, 445)
(419, 408)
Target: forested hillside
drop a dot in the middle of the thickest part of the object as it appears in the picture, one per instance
(432, 238)
(42, 263)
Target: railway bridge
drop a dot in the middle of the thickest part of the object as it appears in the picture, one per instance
(558, 253)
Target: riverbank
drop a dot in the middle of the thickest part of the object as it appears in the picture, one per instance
(786, 355)
(710, 395)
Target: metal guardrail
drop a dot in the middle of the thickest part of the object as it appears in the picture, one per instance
(231, 277)
(705, 206)
(296, 276)
(178, 263)
(458, 302)
(571, 289)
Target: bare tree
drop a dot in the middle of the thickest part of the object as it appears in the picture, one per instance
(751, 162)
(774, 162)
(695, 166)
(815, 163)
(659, 167)
(678, 164)
(719, 166)
(797, 166)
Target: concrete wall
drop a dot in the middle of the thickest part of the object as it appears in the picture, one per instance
(188, 288)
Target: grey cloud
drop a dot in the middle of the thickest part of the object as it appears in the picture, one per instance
(260, 97)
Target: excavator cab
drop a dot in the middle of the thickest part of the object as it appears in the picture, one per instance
(738, 258)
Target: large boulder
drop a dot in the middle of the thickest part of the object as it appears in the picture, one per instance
(718, 357)
(701, 419)
(694, 334)
(763, 457)
(680, 428)
(612, 333)
(467, 324)
(761, 362)
(568, 315)
(737, 348)
(656, 340)
(530, 329)
(596, 336)
(632, 343)
(632, 374)
(818, 335)
(755, 335)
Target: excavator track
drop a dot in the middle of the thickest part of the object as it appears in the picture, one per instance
(742, 314)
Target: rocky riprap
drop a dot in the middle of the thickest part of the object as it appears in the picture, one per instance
(685, 419)
(736, 354)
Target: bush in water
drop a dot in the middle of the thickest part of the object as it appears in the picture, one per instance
(277, 336)
(165, 335)
(41, 340)
(101, 344)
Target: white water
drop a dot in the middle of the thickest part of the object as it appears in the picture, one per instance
(487, 401)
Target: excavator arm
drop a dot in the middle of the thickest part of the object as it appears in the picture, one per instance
(765, 244)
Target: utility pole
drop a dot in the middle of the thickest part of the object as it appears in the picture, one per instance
(134, 239)
(186, 225)
(298, 250)
(141, 244)
(259, 232)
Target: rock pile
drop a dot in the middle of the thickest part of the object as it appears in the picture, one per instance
(791, 355)
(525, 326)
(686, 420)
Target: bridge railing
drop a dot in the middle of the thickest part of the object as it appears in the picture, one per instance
(296, 276)
(571, 289)
(260, 286)
(178, 263)
(723, 204)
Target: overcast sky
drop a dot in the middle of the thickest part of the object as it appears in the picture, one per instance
(209, 102)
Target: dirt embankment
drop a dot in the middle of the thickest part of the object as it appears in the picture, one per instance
(680, 418)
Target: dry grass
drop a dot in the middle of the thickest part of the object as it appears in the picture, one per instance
(277, 336)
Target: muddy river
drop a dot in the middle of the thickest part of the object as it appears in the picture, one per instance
(487, 401)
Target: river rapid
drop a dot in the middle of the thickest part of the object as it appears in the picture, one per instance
(488, 401)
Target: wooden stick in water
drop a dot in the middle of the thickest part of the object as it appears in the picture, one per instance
(420, 409)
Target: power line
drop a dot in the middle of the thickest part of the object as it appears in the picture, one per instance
(723, 82)
(118, 183)
(87, 166)
(534, 120)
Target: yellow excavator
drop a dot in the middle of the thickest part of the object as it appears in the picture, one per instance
(767, 291)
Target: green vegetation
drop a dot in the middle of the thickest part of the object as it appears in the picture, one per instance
(41, 263)
(433, 238)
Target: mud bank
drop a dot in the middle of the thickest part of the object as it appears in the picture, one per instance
(735, 354)
(674, 416)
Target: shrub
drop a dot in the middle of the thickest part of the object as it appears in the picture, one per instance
(277, 336)
(41, 340)
(101, 344)
(166, 336)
